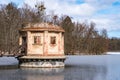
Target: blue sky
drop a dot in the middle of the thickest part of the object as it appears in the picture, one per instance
(105, 13)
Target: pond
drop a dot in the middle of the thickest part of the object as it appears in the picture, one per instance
(102, 67)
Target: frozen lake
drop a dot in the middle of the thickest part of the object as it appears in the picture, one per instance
(103, 67)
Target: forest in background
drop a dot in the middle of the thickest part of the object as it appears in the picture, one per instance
(80, 38)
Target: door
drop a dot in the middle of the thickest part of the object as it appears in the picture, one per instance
(24, 45)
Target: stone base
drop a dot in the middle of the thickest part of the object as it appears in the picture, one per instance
(45, 71)
(45, 62)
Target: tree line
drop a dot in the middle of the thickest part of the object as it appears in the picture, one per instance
(80, 38)
(114, 44)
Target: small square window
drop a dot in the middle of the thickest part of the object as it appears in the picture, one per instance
(53, 40)
(37, 40)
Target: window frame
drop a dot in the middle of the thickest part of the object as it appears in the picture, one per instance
(53, 40)
(37, 40)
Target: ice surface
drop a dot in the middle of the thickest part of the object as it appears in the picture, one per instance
(8, 61)
(72, 59)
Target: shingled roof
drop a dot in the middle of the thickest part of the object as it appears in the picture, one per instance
(42, 27)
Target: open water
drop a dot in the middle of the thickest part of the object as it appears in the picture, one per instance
(103, 67)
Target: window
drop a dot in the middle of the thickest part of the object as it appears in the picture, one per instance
(53, 40)
(37, 40)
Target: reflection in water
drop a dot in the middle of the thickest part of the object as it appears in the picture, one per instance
(85, 72)
(32, 74)
(82, 72)
(43, 73)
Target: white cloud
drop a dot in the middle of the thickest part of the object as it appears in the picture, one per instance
(66, 7)
(103, 23)
(30, 2)
(79, 10)
(4, 1)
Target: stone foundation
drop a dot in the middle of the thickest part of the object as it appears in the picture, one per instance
(45, 71)
(42, 62)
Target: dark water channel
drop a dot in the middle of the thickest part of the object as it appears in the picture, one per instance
(105, 67)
